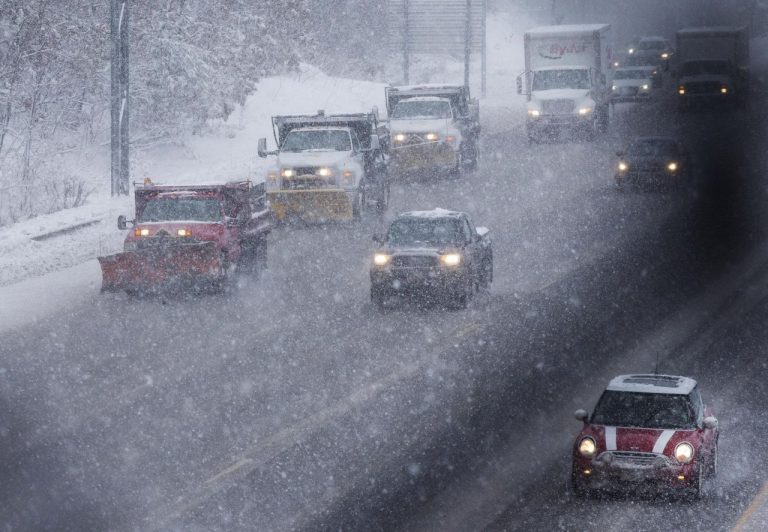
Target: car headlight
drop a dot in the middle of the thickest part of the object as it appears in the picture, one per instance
(349, 177)
(287, 172)
(614, 87)
(381, 259)
(665, 55)
(631, 50)
(684, 452)
(615, 64)
(681, 90)
(623, 167)
(432, 136)
(534, 113)
(723, 90)
(672, 167)
(645, 87)
(325, 171)
(587, 447)
(141, 231)
(585, 110)
(451, 259)
(184, 232)
(400, 137)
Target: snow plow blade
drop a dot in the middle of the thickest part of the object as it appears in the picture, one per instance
(148, 269)
(311, 205)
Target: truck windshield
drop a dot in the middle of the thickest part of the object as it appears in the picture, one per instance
(422, 109)
(424, 231)
(653, 148)
(646, 410)
(651, 45)
(181, 209)
(545, 80)
(320, 140)
(703, 68)
(631, 74)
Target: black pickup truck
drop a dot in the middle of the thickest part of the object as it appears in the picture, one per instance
(437, 255)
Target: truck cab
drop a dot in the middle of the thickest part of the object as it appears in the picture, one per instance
(565, 79)
(326, 167)
(713, 66)
(432, 128)
(186, 233)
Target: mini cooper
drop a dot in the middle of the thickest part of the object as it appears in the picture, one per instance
(647, 431)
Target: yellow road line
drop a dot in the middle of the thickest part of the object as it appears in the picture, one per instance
(758, 501)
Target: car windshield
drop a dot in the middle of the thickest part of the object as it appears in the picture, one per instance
(631, 74)
(652, 148)
(646, 410)
(703, 68)
(545, 80)
(424, 231)
(320, 140)
(651, 45)
(181, 209)
(422, 109)
(634, 60)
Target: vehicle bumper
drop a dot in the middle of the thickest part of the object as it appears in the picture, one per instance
(627, 98)
(427, 156)
(569, 122)
(599, 475)
(416, 281)
(650, 178)
(316, 205)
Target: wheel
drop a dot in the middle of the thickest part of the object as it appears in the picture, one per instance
(579, 489)
(713, 467)
(357, 205)
(458, 169)
(219, 284)
(486, 274)
(377, 298)
(383, 202)
(460, 300)
(697, 490)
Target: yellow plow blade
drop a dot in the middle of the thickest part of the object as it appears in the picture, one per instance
(311, 205)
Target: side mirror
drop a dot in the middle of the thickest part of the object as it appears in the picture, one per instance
(262, 148)
(482, 231)
(581, 415)
(520, 84)
(710, 422)
(122, 223)
(375, 143)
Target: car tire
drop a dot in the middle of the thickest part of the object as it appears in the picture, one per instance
(696, 491)
(580, 490)
(377, 298)
(357, 204)
(486, 274)
(460, 300)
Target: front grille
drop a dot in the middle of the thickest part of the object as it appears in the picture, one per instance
(304, 183)
(414, 261)
(702, 87)
(628, 91)
(634, 459)
(647, 167)
(557, 107)
(305, 170)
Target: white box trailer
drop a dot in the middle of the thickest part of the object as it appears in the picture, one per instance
(565, 78)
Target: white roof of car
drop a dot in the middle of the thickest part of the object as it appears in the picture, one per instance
(666, 384)
(321, 128)
(423, 99)
(568, 28)
(434, 213)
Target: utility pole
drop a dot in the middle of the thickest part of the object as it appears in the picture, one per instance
(406, 43)
(119, 97)
(467, 41)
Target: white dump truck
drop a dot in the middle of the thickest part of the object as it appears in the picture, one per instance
(565, 79)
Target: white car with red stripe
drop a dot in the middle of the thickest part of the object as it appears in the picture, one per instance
(646, 431)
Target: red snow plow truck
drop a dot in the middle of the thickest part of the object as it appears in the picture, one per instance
(189, 236)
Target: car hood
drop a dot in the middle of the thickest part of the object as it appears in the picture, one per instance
(631, 82)
(641, 440)
(718, 78)
(422, 125)
(313, 158)
(425, 249)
